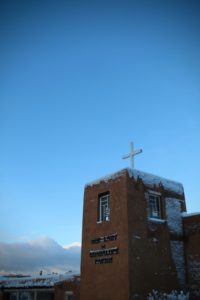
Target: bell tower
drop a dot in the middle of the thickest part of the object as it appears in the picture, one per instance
(132, 233)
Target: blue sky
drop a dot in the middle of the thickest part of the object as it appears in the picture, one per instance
(79, 80)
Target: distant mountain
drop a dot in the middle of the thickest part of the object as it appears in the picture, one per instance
(73, 245)
(43, 254)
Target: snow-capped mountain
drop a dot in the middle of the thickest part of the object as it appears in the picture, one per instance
(43, 254)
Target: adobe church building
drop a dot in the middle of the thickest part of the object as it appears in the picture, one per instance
(138, 237)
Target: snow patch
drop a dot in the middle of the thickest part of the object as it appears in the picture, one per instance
(173, 295)
(157, 220)
(174, 216)
(174, 220)
(137, 237)
(185, 214)
(107, 178)
(153, 180)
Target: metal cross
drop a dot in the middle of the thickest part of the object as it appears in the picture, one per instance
(132, 154)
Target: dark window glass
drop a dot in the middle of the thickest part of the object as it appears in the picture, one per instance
(154, 206)
(104, 208)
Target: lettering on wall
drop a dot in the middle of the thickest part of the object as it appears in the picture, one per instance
(105, 252)
(104, 239)
(106, 260)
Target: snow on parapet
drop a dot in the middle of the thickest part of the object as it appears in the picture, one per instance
(185, 214)
(148, 179)
(151, 180)
(107, 178)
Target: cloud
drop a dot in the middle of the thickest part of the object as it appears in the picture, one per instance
(43, 254)
(72, 245)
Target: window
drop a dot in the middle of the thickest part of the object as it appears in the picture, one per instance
(104, 208)
(154, 206)
(13, 296)
(69, 296)
(24, 296)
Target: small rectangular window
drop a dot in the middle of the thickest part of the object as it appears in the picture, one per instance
(24, 296)
(69, 296)
(104, 208)
(13, 296)
(154, 206)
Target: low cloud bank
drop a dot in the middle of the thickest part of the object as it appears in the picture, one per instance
(43, 254)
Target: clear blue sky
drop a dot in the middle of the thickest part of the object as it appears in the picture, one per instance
(79, 81)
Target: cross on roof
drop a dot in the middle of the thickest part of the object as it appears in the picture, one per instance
(132, 154)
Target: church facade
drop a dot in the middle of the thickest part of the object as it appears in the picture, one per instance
(137, 237)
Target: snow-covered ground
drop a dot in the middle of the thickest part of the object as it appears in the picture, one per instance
(173, 295)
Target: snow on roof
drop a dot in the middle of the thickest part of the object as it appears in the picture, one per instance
(35, 281)
(107, 178)
(151, 180)
(185, 215)
(147, 178)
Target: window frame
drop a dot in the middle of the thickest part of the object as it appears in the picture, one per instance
(103, 205)
(13, 296)
(156, 211)
(68, 295)
(24, 294)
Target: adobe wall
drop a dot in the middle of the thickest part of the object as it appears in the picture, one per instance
(150, 243)
(106, 281)
(151, 252)
(192, 248)
(72, 285)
